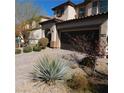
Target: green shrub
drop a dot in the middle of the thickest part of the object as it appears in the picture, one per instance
(37, 48)
(17, 51)
(78, 81)
(27, 49)
(88, 61)
(49, 71)
(43, 42)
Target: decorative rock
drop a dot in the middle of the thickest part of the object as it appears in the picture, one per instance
(74, 66)
(101, 66)
(79, 70)
(88, 70)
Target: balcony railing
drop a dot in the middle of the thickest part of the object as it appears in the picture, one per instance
(103, 9)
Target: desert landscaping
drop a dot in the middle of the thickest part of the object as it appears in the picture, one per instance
(80, 84)
(64, 51)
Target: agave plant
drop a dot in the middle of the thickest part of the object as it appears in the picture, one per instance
(49, 71)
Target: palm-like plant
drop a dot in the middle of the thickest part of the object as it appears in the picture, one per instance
(48, 71)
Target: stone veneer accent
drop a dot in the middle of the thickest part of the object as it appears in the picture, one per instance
(54, 44)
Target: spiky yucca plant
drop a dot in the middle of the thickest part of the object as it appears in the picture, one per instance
(48, 71)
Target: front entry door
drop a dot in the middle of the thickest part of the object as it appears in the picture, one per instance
(48, 35)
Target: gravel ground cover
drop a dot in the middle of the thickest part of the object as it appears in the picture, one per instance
(25, 61)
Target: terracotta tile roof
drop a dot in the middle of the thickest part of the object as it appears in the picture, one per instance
(84, 17)
(59, 21)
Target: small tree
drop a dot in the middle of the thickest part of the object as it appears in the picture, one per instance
(25, 13)
(27, 10)
(43, 42)
(25, 35)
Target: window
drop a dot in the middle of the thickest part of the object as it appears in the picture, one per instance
(94, 4)
(62, 11)
(94, 7)
(81, 12)
(103, 6)
(59, 13)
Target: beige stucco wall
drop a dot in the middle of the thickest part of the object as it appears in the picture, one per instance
(53, 33)
(33, 24)
(104, 27)
(35, 35)
(69, 13)
(55, 40)
(89, 9)
(103, 37)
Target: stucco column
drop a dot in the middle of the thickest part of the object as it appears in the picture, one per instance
(103, 39)
(42, 32)
(54, 37)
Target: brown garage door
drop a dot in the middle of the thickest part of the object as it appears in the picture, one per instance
(81, 41)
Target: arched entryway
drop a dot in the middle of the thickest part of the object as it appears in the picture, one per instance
(48, 35)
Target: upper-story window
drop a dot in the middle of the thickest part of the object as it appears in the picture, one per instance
(60, 12)
(94, 4)
(103, 6)
(81, 12)
(94, 7)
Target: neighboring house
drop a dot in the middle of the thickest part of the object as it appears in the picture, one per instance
(34, 28)
(87, 19)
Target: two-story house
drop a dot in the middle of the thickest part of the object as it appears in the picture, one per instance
(87, 19)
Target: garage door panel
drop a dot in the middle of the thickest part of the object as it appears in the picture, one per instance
(79, 40)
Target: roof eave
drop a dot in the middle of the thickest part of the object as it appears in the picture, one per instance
(51, 20)
(66, 3)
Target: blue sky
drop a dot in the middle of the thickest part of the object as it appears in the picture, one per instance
(47, 5)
